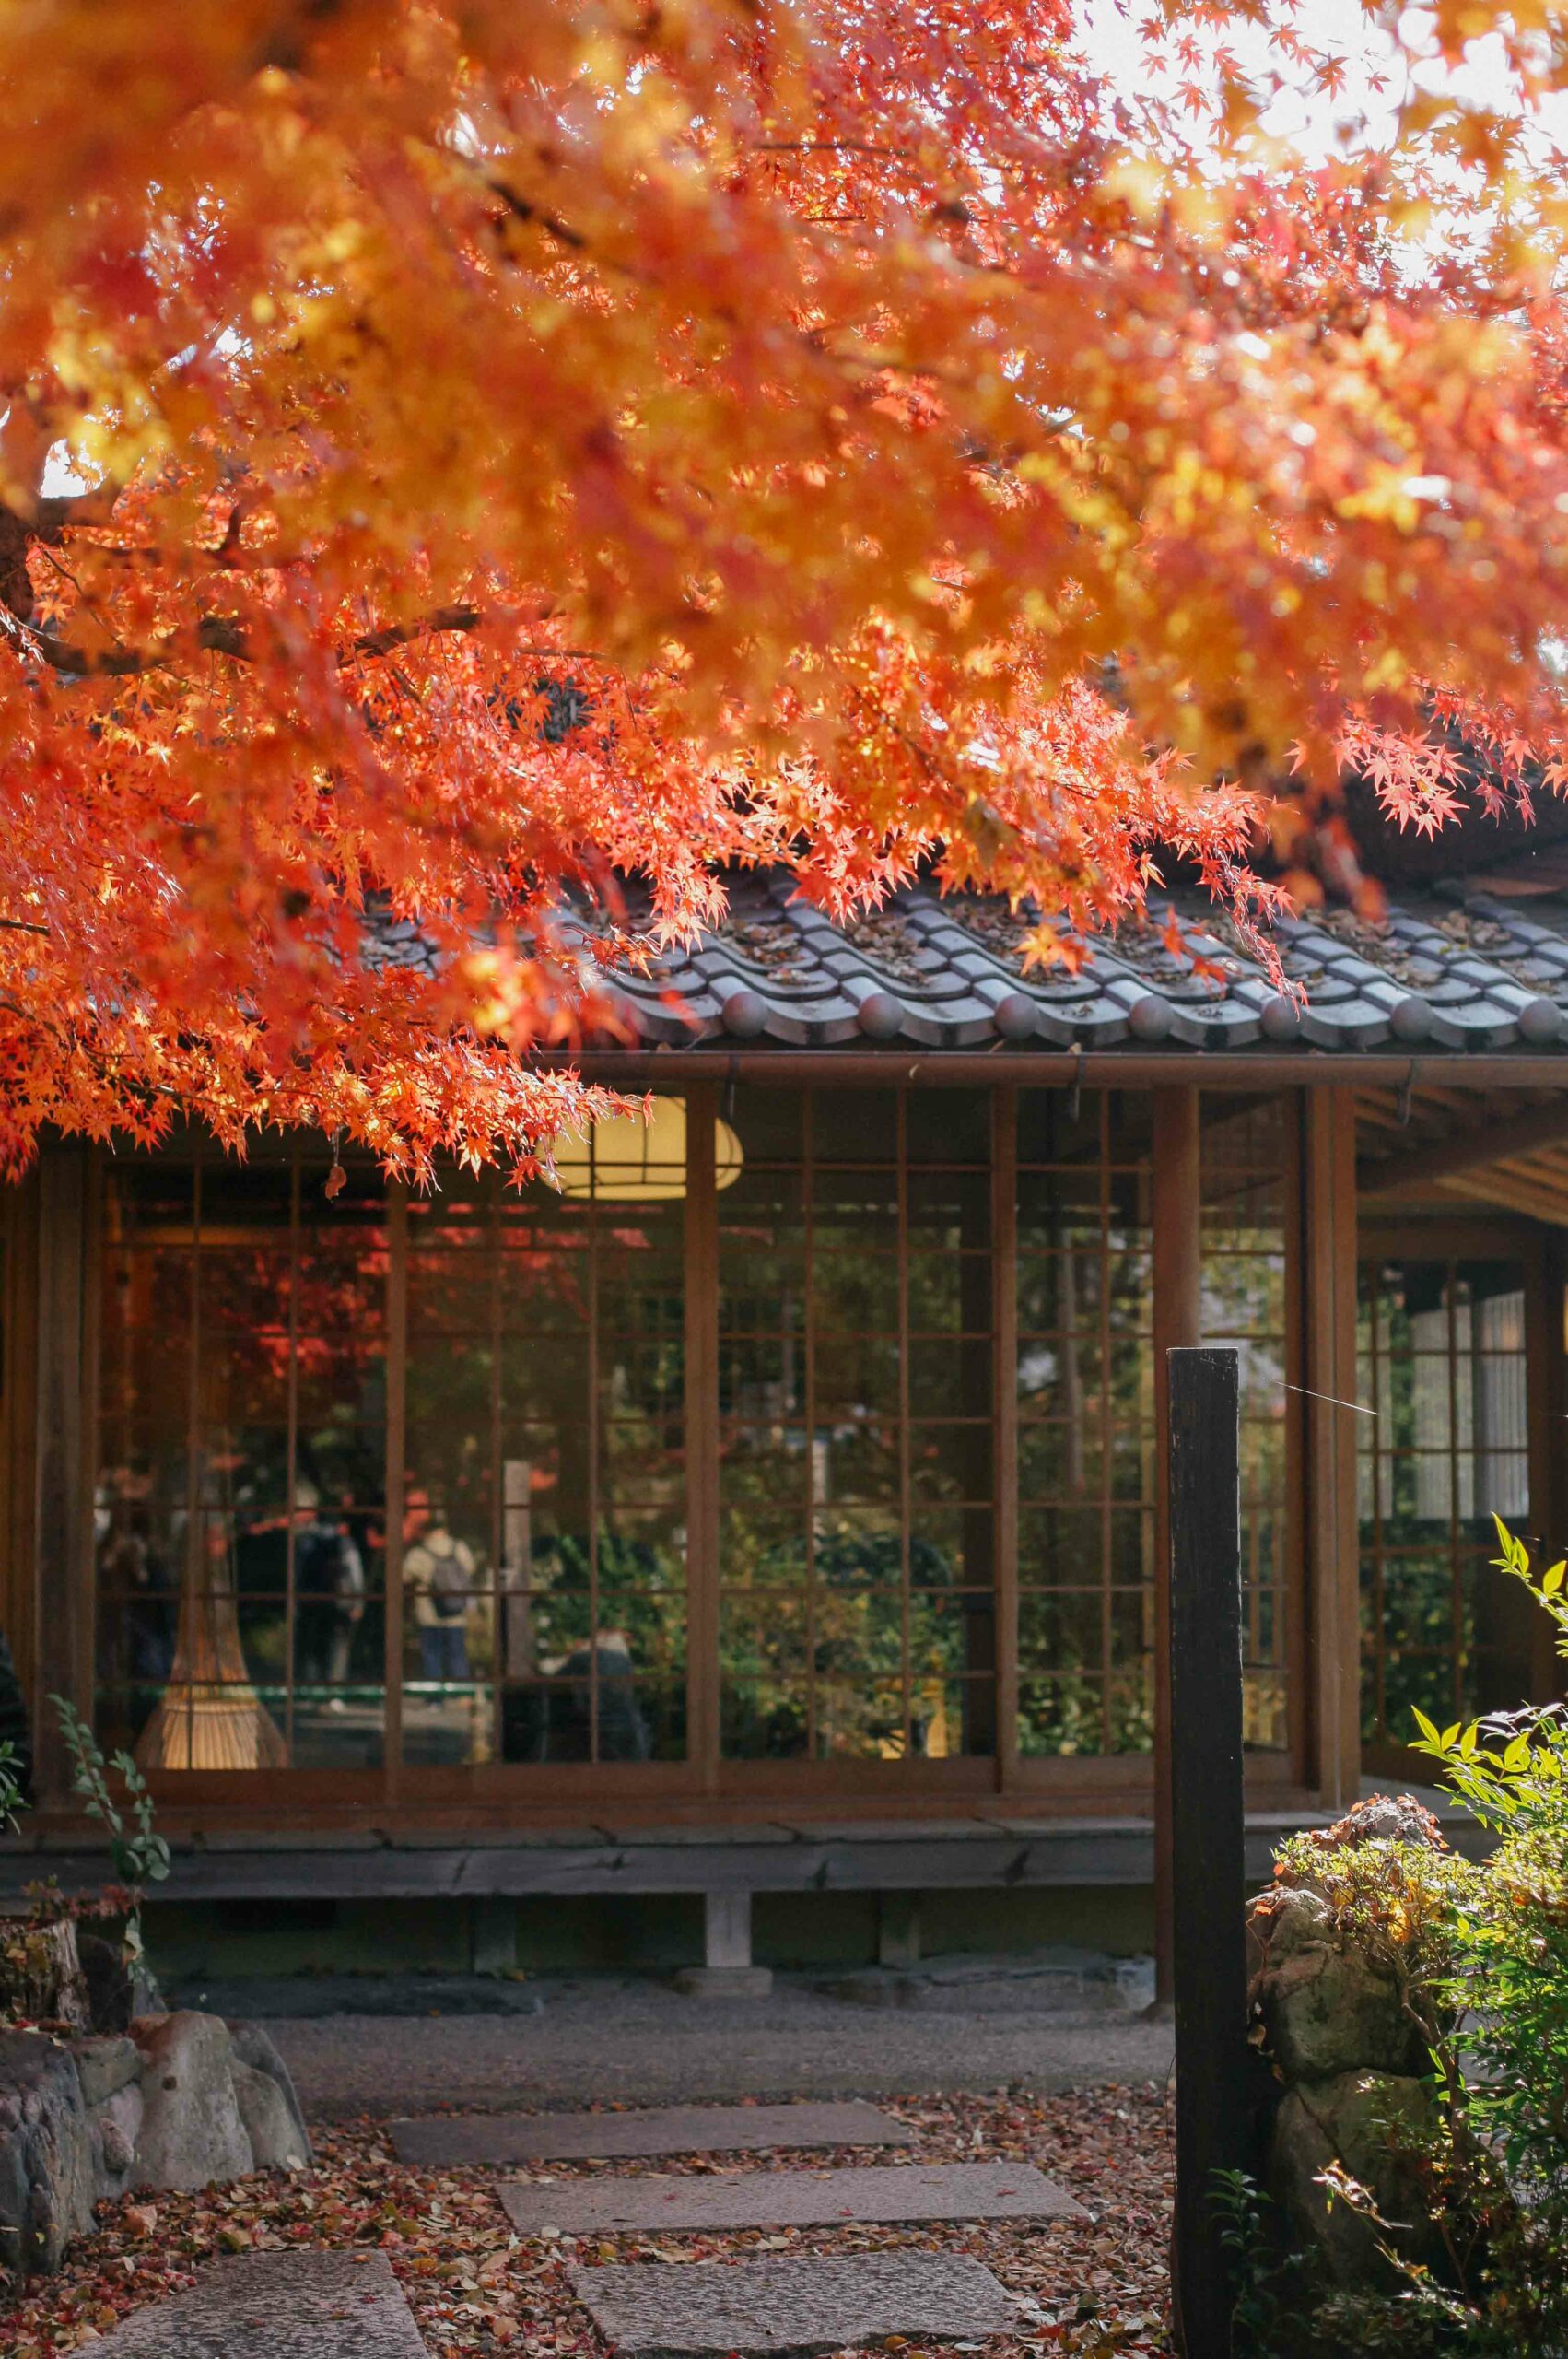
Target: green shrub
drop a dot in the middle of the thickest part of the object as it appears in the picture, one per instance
(1511, 1770)
(1481, 1952)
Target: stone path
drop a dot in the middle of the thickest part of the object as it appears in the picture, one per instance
(600, 2041)
(278, 2305)
(445, 2139)
(787, 2199)
(324, 2305)
(781, 2308)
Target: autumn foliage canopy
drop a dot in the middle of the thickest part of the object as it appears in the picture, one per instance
(460, 458)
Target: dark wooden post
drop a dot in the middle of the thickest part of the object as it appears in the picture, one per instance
(1179, 1293)
(63, 1484)
(1333, 1547)
(1209, 1895)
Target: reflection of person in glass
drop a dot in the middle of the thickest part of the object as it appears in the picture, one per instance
(132, 1570)
(622, 1731)
(329, 1580)
(437, 1571)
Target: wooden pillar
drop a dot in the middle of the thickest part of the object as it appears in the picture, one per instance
(701, 1415)
(1178, 1269)
(397, 1479)
(1208, 1829)
(18, 1501)
(1329, 1439)
(1004, 1394)
(63, 1481)
(1546, 1408)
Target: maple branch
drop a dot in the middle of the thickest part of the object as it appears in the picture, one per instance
(56, 513)
(216, 635)
(826, 146)
(443, 618)
(522, 208)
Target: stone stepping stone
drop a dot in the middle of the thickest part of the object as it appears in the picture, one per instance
(675, 2130)
(278, 2305)
(661, 2203)
(797, 2305)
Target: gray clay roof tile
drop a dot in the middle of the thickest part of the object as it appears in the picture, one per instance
(937, 972)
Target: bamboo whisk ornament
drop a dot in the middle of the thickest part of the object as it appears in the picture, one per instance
(209, 1716)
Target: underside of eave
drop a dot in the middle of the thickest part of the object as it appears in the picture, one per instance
(1441, 1148)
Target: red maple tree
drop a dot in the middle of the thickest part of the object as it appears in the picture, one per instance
(460, 454)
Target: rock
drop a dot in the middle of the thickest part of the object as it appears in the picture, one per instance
(107, 1980)
(256, 2048)
(46, 2158)
(192, 2133)
(1381, 1819)
(1292, 1921)
(781, 2309)
(650, 2202)
(1327, 2007)
(103, 2065)
(116, 2128)
(177, 2106)
(1369, 2122)
(277, 2142)
(278, 2305)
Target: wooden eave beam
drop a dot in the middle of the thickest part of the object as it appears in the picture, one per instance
(1513, 1194)
(1445, 1158)
(1467, 1070)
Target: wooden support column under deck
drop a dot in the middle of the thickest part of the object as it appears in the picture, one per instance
(1329, 1239)
(1178, 1264)
(62, 1489)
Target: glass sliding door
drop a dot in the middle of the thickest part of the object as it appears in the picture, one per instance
(1246, 1166)
(1442, 1346)
(543, 1565)
(1086, 1425)
(856, 1472)
(239, 1524)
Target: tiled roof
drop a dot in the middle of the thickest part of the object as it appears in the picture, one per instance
(935, 972)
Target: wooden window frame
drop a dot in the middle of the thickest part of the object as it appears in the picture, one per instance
(703, 1785)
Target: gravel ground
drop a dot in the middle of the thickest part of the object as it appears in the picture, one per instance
(1090, 2288)
(599, 2040)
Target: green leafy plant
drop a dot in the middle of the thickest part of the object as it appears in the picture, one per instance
(10, 1787)
(1511, 1769)
(140, 1854)
(1270, 2281)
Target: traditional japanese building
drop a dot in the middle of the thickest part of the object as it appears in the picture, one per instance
(774, 1505)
